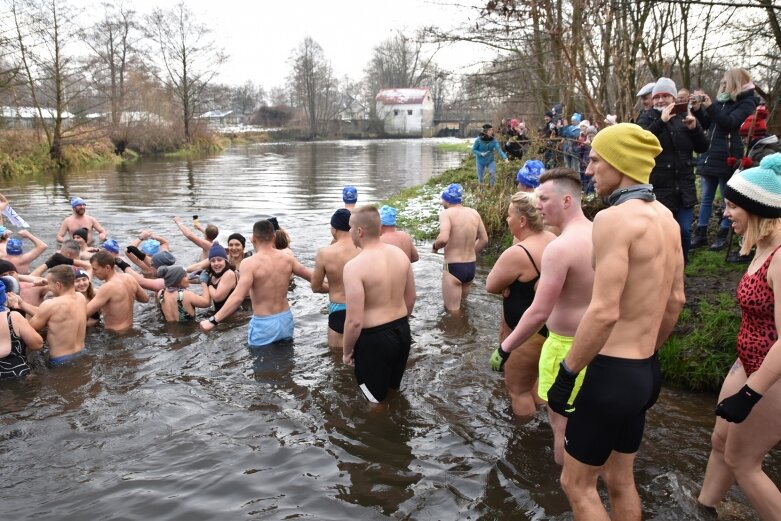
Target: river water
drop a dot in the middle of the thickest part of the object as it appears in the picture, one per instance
(168, 423)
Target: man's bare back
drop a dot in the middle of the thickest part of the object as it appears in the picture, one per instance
(462, 229)
(65, 316)
(267, 274)
(402, 240)
(385, 278)
(329, 264)
(643, 237)
(571, 252)
(115, 299)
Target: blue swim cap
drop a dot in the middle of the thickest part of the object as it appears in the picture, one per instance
(349, 194)
(150, 246)
(79, 273)
(111, 245)
(3, 229)
(14, 247)
(76, 201)
(3, 296)
(576, 118)
(388, 215)
(453, 194)
(530, 172)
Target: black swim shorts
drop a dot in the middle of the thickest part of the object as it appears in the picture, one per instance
(610, 408)
(380, 356)
(336, 320)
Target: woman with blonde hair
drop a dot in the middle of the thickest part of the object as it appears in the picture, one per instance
(515, 277)
(749, 425)
(735, 101)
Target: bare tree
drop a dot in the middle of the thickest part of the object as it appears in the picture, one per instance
(187, 58)
(112, 41)
(313, 85)
(43, 31)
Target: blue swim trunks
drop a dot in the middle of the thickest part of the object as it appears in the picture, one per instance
(60, 360)
(269, 329)
(337, 313)
(334, 307)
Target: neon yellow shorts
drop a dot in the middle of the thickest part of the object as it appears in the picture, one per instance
(554, 350)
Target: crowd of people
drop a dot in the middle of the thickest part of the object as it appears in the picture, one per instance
(579, 338)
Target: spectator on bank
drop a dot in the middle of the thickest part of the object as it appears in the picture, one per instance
(484, 147)
(673, 175)
(734, 103)
(548, 133)
(645, 102)
(570, 133)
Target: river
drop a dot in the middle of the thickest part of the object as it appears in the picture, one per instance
(169, 423)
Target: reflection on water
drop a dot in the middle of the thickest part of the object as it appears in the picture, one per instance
(169, 423)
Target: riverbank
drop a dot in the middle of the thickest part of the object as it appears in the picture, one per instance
(25, 151)
(702, 347)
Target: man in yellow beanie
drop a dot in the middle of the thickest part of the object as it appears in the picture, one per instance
(637, 297)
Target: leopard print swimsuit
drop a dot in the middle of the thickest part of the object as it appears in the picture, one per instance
(757, 332)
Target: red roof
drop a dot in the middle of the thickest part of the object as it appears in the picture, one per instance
(402, 96)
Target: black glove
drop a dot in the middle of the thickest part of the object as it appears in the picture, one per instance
(736, 408)
(122, 265)
(58, 259)
(135, 251)
(561, 390)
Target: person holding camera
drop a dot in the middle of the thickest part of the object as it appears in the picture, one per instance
(680, 136)
(734, 103)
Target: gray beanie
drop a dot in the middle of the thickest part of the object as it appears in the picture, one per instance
(163, 258)
(172, 275)
(664, 86)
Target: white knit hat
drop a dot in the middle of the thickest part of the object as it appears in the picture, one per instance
(664, 86)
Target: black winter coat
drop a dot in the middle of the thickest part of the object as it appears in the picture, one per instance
(724, 136)
(673, 175)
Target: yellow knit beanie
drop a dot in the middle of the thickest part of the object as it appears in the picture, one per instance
(629, 149)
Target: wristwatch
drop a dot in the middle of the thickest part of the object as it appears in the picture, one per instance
(213, 320)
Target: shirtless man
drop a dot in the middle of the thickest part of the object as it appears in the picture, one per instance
(79, 219)
(638, 295)
(329, 263)
(264, 277)
(204, 243)
(115, 297)
(462, 234)
(16, 254)
(380, 291)
(563, 291)
(390, 235)
(64, 316)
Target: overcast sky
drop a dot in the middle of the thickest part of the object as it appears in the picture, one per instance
(259, 35)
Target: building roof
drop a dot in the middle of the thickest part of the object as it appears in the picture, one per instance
(31, 113)
(402, 96)
(216, 114)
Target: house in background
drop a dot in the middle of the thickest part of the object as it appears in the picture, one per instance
(221, 118)
(26, 117)
(406, 112)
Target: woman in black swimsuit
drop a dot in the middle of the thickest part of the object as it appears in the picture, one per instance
(515, 276)
(16, 337)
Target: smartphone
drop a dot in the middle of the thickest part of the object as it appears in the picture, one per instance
(680, 108)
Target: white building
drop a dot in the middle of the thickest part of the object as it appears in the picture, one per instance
(406, 112)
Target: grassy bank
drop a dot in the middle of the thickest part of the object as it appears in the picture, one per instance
(701, 349)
